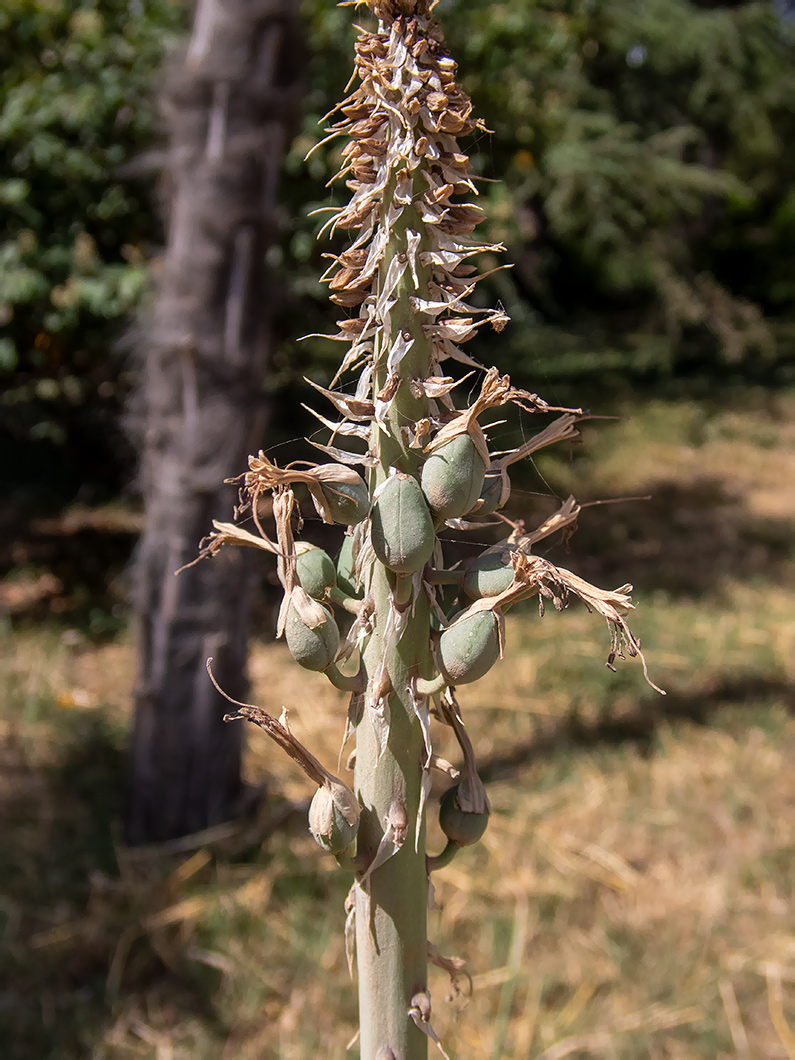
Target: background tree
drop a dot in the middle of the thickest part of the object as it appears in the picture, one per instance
(229, 104)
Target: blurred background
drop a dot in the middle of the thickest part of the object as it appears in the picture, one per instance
(159, 894)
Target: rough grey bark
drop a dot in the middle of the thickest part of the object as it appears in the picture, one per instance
(229, 104)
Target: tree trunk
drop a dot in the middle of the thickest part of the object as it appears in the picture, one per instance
(229, 103)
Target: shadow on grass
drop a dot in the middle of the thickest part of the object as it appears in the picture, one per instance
(70, 916)
(75, 569)
(639, 728)
(90, 934)
(687, 540)
(68, 569)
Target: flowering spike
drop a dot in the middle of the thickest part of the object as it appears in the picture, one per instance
(405, 281)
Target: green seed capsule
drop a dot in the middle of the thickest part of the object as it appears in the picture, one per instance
(491, 493)
(452, 478)
(315, 569)
(460, 826)
(402, 530)
(490, 573)
(314, 649)
(469, 648)
(329, 828)
(349, 502)
(346, 579)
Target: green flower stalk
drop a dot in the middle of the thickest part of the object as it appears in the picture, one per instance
(405, 279)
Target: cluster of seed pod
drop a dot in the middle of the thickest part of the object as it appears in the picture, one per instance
(398, 527)
(407, 280)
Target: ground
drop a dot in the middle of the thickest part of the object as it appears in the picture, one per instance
(632, 896)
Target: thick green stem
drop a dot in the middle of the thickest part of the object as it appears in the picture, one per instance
(391, 934)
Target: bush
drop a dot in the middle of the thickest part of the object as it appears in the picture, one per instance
(77, 90)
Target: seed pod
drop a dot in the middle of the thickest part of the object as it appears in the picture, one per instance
(452, 477)
(402, 530)
(328, 826)
(315, 569)
(490, 573)
(314, 649)
(346, 579)
(491, 493)
(469, 648)
(348, 502)
(460, 826)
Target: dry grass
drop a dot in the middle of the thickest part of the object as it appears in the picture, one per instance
(633, 894)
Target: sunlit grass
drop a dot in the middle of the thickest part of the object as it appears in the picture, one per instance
(632, 897)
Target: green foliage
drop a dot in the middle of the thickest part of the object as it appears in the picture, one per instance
(77, 104)
(645, 153)
(646, 197)
(645, 187)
